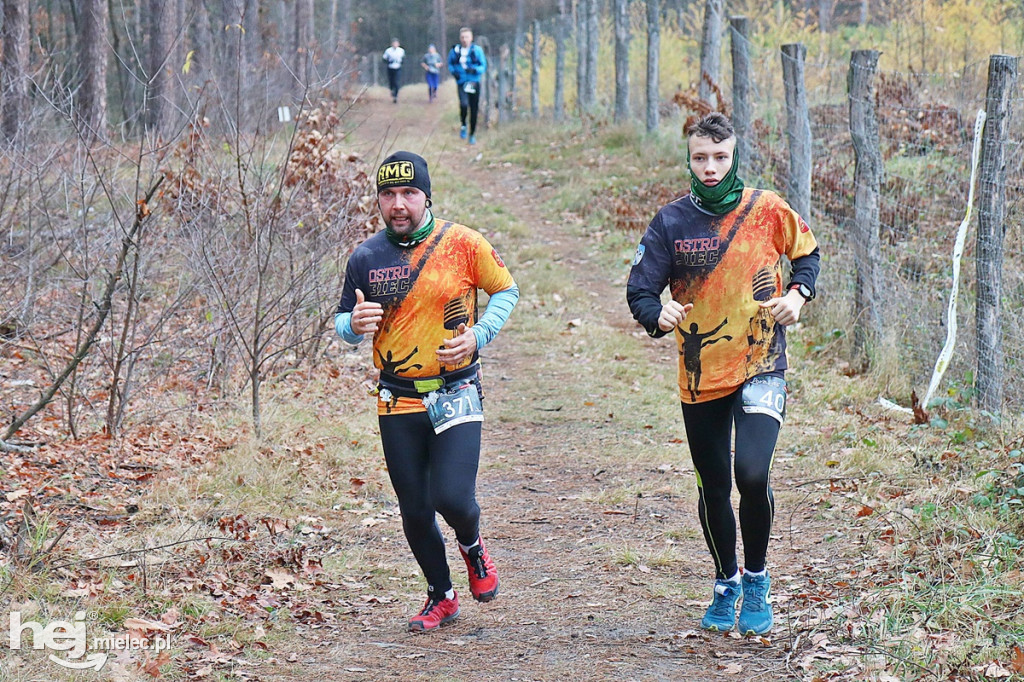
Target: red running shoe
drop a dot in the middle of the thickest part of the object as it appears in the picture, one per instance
(435, 613)
(483, 579)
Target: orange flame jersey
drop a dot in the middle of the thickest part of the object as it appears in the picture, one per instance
(725, 265)
(426, 291)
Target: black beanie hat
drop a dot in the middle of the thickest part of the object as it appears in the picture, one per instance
(404, 169)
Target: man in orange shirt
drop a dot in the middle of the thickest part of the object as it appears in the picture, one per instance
(414, 287)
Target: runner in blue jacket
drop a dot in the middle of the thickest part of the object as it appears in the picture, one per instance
(467, 65)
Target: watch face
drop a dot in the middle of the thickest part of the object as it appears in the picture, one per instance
(805, 291)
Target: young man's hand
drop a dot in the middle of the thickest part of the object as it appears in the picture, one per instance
(366, 315)
(672, 315)
(458, 349)
(785, 309)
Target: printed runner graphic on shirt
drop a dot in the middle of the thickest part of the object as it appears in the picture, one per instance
(692, 345)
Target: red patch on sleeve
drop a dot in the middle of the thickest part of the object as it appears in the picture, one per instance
(497, 258)
(803, 226)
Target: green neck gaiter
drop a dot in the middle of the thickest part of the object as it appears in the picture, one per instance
(410, 240)
(721, 198)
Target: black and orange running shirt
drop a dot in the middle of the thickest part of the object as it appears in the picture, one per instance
(725, 265)
(426, 292)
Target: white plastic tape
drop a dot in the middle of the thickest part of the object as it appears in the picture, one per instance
(946, 354)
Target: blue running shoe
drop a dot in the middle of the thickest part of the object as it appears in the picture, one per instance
(756, 612)
(472, 139)
(462, 132)
(721, 615)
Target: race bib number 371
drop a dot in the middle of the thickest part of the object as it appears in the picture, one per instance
(453, 406)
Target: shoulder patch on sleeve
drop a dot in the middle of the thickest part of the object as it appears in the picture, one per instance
(639, 255)
(497, 258)
(804, 227)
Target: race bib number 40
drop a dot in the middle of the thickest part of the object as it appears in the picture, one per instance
(765, 395)
(450, 407)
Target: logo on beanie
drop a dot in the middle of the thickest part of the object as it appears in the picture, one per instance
(396, 173)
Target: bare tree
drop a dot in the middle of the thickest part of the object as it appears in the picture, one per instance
(517, 45)
(593, 42)
(441, 10)
(161, 29)
(304, 42)
(653, 57)
(582, 51)
(14, 66)
(92, 51)
(622, 40)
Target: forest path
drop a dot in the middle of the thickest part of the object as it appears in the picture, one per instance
(588, 507)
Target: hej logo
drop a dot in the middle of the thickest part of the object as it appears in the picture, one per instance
(70, 636)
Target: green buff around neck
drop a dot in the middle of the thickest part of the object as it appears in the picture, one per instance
(410, 240)
(721, 198)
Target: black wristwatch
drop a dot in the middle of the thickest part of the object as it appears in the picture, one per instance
(803, 290)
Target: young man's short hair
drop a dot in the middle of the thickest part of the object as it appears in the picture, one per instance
(465, 29)
(715, 125)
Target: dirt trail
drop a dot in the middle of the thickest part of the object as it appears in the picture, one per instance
(569, 607)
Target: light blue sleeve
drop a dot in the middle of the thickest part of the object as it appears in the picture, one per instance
(343, 325)
(498, 309)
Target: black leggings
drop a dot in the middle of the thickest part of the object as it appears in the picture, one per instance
(433, 474)
(709, 434)
(394, 80)
(469, 102)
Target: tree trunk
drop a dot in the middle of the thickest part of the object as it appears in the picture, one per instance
(653, 64)
(92, 51)
(160, 29)
(14, 83)
(535, 71)
(582, 50)
(442, 30)
(251, 41)
(1002, 80)
(303, 42)
(517, 45)
(710, 50)
(825, 8)
(622, 39)
(593, 43)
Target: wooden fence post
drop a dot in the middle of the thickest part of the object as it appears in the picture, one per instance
(867, 181)
(710, 49)
(1002, 78)
(484, 110)
(798, 128)
(535, 71)
(653, 65)
(503, 81)
(739, 45)
(561, 24)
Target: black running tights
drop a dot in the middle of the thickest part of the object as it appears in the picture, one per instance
(469, 102)
(709, 434)
(433, 474)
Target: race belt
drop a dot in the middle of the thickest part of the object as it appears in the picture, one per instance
(408, 387)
